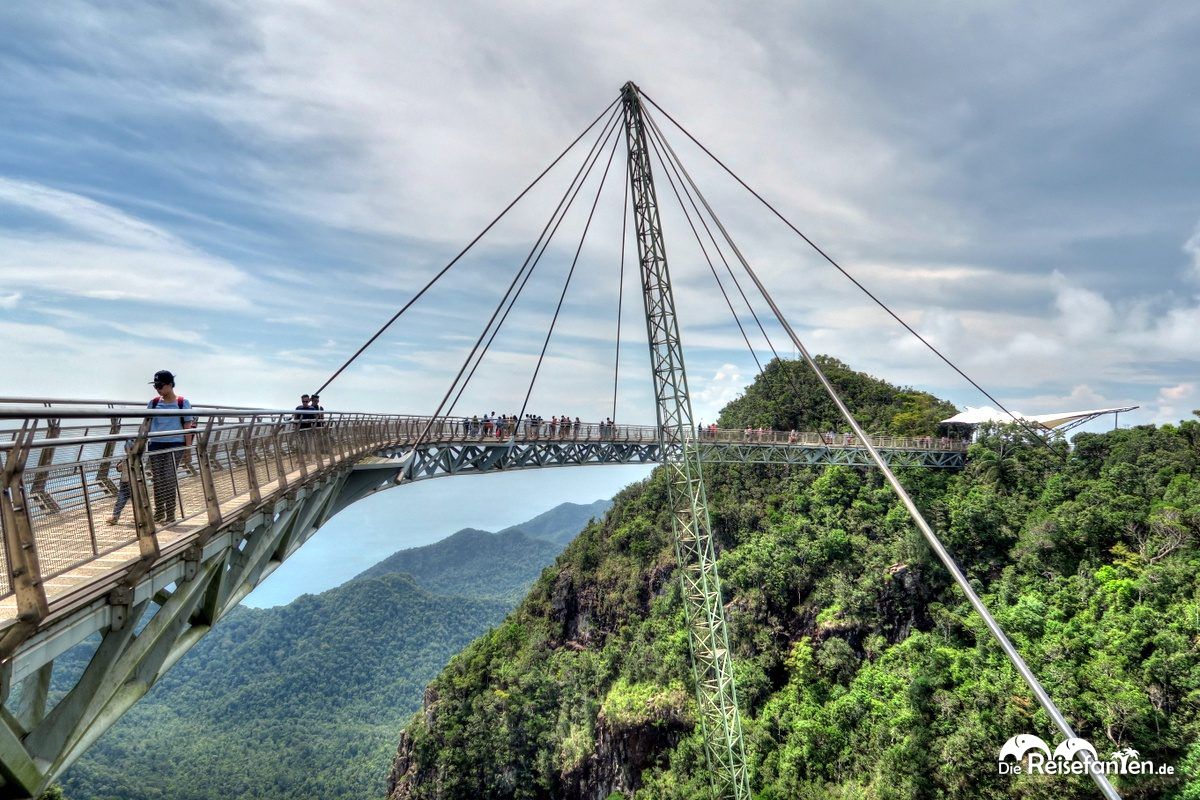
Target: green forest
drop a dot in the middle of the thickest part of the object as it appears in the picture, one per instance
(305, 700)
(861, 670)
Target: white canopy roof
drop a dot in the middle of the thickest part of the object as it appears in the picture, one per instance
(977, 416)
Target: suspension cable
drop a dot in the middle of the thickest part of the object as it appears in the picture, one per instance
(556, 218)
(656, 134)
(434, 418)
(463, 252)
(704, 251)
(848, 276)
(566, 284)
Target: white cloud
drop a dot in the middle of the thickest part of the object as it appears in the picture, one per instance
(1192, 248)
(107, 254)
(1084, 314)
(97, 220)
(1174, 402)
(10, 300)
(710, 395)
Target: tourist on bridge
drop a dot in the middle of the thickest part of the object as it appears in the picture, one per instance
(318, 419)
(304, 419)
(166, 446)
(124, 490)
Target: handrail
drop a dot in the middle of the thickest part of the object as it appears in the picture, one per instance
(62, 483)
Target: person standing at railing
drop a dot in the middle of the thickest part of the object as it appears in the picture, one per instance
(302, 419)
(167, 449)
(124, 490)
(318, 419)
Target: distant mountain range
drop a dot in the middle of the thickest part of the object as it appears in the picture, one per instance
(306, 700)
(479, 564)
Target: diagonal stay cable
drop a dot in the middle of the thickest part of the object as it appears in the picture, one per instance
(464, 251)
(543, 242)
(935, 543)
(435, 417)
(590, 160)
(939, 549)
(704, 251)
(848, 276)
(625, 204)
(566, 284)
(675, 166)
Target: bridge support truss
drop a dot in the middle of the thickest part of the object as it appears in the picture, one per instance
(712, 665)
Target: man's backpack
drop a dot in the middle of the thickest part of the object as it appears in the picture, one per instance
(178, 402)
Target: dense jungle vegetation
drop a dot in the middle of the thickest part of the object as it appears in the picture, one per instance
(861, 671)
(304, 700)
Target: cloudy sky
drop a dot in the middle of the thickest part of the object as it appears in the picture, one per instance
(242, 193)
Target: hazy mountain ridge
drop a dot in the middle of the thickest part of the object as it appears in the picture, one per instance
(304, 700)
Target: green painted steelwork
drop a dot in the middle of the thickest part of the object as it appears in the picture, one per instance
(712, 665)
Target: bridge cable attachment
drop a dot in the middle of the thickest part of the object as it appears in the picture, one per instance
(572, 190)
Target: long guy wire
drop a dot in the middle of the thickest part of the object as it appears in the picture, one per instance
(464, 251)
(844, 272)
(704, 252)
(656, 141)
(567, 283)
(626, 202)
(539, 247)
(593, 155)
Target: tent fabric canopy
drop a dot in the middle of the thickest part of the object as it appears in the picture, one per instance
(977, 416)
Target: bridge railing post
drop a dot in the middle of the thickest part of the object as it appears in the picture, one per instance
(24, 576)
(277, 444)
(249, 447)
(45, 459)
(143, 513)
(106, 457)
(204, 463)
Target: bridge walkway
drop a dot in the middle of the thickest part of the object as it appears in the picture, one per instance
(251, 488)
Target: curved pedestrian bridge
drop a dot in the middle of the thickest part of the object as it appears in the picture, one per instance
(249, 489)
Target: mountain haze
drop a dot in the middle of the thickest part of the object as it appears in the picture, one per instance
(304, 700)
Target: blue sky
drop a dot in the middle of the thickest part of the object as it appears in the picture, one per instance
(242, 193)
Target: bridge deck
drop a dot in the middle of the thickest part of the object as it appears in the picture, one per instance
(70, 479)
(247, 493)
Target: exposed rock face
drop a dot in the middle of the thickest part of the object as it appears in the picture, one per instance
(404, 775)
(622, 753)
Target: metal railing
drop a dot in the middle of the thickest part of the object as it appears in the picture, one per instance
(66, 469)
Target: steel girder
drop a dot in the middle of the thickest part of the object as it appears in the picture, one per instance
(712, 664)
(734, 453)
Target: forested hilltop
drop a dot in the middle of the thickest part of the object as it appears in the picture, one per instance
(303, 701)
(861, 671)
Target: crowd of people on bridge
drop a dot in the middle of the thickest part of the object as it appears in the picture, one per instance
(171, 436)
(531, 426)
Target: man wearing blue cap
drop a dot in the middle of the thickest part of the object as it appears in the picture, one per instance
(166, 446)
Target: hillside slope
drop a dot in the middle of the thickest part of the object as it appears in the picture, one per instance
(861, 671)
(304, 700)
(475, 563)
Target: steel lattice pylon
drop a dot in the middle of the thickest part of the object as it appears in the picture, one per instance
(712, 665)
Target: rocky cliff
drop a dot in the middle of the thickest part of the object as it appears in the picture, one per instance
(861, 671)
